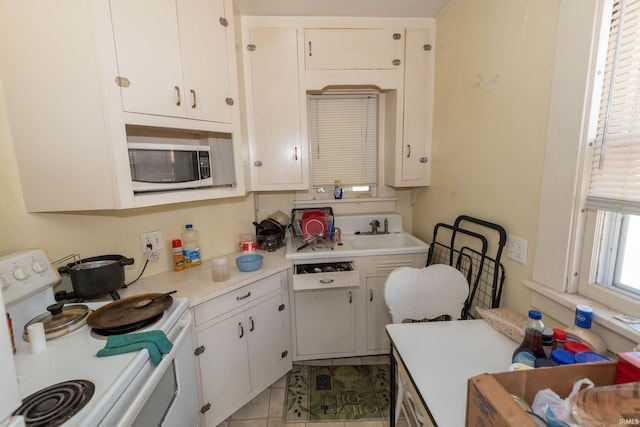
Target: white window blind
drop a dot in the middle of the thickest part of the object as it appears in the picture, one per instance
(615, 173)
(343, 132)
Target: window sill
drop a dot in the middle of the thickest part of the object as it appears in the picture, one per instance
(618, 336)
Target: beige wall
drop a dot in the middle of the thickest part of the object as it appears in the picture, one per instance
(91, 234)
(494, 62)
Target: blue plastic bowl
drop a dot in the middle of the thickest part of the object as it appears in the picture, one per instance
(249, 262)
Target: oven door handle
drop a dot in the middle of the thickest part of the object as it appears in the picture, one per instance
(184, 325)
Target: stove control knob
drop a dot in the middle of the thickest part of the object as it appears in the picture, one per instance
(39, 266)
(21, 273)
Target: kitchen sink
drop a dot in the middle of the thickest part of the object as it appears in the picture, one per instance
(383, 241)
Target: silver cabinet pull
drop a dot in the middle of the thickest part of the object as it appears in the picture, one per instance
(248, 294)
(350, 297)
(408, 150)
(310, 54)
(326, 281)
(252, 325)
(193, 98)
(240, 330)
(370, 294)
(178, 98)
(295, 153)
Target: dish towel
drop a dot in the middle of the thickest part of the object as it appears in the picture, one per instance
(156, 342)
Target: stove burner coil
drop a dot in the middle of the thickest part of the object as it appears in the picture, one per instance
(54, 405)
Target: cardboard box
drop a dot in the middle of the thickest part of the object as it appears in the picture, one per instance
(489, 400)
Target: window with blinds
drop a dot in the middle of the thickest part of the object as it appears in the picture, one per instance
(343, 134)
(615, 173)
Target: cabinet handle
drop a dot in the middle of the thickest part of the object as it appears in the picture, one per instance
(257, 163)
(228, 101)
(205, 408)
(295, 153)
(310, 53)
(370, 294)
(326, 281)
(178, 98)
(408, 151)
(193, 98)
(252, 325)
(243, 296)
(198, 351)
(251, 47)
(397, 36)
(396, 62)
(350, 297)
(223, 21)
(240, 330)
(424, 160)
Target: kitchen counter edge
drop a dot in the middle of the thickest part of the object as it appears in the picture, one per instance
(197, 284)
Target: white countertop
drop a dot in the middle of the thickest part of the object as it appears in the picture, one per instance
(441, 357)
(196, 283)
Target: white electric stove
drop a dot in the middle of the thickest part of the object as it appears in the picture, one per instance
(125, 389)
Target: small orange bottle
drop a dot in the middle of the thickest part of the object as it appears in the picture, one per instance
(178, 255)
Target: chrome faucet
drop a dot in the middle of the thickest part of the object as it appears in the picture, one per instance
(374, 226)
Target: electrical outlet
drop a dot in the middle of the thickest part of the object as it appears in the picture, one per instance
(517, 249)
(154, 238)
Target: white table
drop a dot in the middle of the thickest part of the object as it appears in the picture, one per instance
(440, 357)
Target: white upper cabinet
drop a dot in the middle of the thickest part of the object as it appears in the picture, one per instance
(277, 148)
(408, 150)
(353, 49)
(174, 64)
(79, 75)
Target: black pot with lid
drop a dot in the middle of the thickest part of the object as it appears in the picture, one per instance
(270, 234)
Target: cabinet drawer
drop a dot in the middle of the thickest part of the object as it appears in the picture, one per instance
(353, 49)
(235, 299)
(335, 280)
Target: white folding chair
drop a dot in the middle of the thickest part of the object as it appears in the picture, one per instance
(424, 294)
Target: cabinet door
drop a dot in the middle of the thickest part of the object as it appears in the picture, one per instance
(353, 49)
(148, 53)
(267, 351)
(223, 364)
(325, 321)
(418, 109)
(377, 315)
(277, 149)
(203, 38)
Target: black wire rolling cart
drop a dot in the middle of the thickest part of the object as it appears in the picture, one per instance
(474, 247)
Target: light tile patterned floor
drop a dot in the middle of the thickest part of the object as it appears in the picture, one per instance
(265, 410)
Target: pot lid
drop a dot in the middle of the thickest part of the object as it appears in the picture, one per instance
(60, 320)
(123, 312)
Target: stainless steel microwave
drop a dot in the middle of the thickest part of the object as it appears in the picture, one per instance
(169, 167)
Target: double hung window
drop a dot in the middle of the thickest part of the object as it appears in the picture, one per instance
(614, 179)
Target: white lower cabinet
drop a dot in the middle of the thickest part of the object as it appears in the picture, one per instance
(325, 322)
(377, 270)
(243, 350)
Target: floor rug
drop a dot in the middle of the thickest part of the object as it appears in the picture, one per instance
(337, 393)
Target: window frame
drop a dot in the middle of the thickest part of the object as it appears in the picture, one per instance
(563, 259)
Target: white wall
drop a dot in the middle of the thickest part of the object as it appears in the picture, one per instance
(494, 61)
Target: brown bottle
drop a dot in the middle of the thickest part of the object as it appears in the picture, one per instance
(531, 347)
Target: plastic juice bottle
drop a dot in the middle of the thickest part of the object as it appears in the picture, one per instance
(191, 247)
(531, 347)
